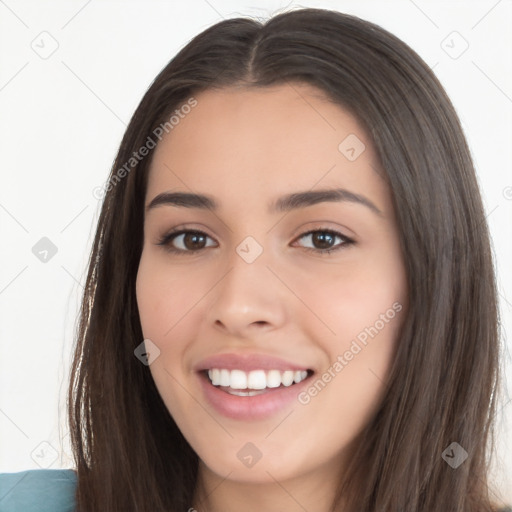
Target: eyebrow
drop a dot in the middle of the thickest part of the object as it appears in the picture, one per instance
(283, 204)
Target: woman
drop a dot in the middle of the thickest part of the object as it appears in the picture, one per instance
(290, 302)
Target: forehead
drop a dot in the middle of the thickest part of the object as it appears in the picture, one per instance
(246, 144)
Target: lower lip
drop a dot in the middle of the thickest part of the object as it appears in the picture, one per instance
(256, 407)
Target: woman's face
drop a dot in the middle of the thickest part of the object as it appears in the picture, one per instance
(277, 279)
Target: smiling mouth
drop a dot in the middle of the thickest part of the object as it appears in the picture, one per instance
(255, 382)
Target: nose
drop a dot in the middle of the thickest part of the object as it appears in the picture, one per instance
(249, 298)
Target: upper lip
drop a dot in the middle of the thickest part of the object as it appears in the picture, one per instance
(247, 363)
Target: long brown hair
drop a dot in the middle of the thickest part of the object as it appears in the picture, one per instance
(129, 453)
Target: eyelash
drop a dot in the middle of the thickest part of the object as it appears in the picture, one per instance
(169, 237)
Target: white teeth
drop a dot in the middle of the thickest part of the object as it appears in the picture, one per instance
(225, 377)
(273, 379)
(215, 377)
(287, 378)
(238, 379)
(256, 379)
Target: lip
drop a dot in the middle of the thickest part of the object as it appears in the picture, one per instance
(249, 408)
(247, 363)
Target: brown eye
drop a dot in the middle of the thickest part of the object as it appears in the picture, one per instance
(194, 241)
(324, 241)
(185, 241)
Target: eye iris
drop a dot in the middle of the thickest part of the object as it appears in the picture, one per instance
(193, 239)
(323, 240)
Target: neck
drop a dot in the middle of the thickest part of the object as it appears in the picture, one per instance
(215, 493)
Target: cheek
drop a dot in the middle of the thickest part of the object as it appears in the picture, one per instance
(164, 297)
(170, 305)
(364, 306)
(165, 301)
(354, 298)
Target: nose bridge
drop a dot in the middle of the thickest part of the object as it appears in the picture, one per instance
(249, 293)
(247, 275)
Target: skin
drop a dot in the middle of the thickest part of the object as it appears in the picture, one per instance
(247, 148)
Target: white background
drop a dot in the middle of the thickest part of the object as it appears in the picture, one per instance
(62, 119)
